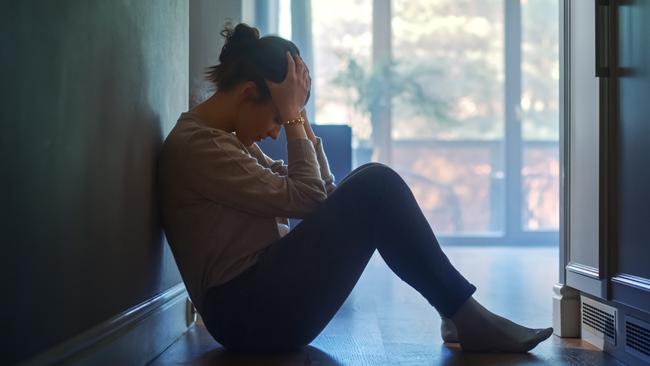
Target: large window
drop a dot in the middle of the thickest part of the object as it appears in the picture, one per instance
(452, 159)
(474, 111)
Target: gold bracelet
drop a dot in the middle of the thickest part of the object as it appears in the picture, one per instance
(296, 121)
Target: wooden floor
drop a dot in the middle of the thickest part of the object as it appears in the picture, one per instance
(386, 322)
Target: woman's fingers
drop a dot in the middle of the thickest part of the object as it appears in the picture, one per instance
(291, 65)
(300, 67)
(290, 94)
(297, 65)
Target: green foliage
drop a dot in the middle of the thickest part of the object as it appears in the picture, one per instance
(390, 80)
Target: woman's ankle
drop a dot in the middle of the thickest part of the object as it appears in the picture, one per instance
(465, 311)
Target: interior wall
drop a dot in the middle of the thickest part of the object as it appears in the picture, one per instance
(89, 89)
(207, 20)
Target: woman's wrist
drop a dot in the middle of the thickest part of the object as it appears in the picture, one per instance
(289, 114)
(295, 121)
(294, 132)
(308, 129)
(310, 134)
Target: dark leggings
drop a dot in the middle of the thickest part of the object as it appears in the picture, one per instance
(300, 281)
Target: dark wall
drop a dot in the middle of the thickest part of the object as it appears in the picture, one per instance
(633, 150)
(89, 89)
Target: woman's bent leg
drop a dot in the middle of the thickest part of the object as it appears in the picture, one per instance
(301, 280)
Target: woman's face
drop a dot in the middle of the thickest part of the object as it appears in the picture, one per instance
(257, 120)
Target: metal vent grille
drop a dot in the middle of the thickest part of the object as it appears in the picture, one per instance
(637, 338)
(600, 320)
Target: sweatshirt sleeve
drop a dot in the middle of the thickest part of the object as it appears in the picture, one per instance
(324, 166)
(277, 166)
(225, 173)
(328, 178)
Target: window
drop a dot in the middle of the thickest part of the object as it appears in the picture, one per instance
(452, 160)
(336, 35)
(540, 108)
(476, 140)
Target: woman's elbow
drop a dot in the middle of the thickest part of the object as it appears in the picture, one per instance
(316, 198)
(309, 203)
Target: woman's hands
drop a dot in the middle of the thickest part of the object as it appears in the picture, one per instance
(289, 95)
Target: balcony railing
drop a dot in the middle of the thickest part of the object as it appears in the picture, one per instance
(460, 186)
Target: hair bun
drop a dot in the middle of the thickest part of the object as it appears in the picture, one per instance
(244, 32)
(238, 40)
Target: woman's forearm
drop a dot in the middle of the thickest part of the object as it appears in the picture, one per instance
(308, 130)
(295, 132)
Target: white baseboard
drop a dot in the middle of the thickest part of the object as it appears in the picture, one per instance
(566, 311)
(133, 337)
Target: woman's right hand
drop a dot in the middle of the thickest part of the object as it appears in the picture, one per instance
(290, 94)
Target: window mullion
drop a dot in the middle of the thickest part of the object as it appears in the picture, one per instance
(301, 35)
(381, 115)
(512, 114)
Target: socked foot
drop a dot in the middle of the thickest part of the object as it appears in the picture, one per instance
(448, 331)
(480, 330)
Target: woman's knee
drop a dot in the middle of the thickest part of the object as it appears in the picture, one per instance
(373, 183)
(367, 165)
(363, 168)
(356, 171)
(378, 173)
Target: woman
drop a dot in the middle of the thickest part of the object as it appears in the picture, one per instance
(225, 205)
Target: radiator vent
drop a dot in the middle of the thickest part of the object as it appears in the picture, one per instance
(637, 338)
(600, 320)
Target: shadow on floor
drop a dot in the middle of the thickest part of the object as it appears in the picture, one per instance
(307, 356)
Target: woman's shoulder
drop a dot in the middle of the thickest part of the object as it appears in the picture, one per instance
(192, 133)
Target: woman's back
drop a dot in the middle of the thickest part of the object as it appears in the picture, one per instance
(222, 204)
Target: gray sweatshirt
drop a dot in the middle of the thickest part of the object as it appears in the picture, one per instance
(222, 203)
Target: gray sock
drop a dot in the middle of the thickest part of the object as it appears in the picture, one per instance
(448, 330)
(480, 330)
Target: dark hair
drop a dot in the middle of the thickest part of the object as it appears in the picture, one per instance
(247, 57)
